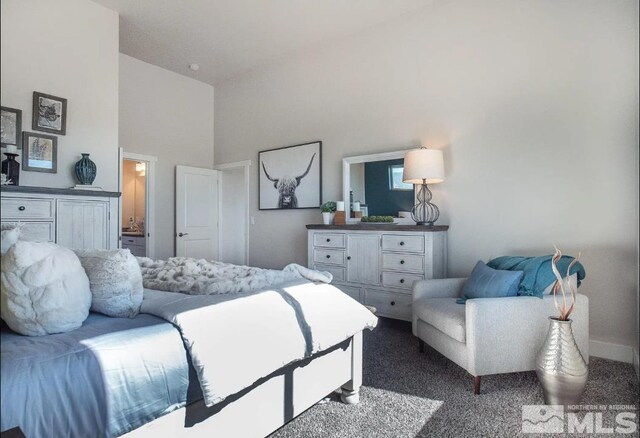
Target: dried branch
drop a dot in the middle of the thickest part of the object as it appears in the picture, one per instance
(561, 284)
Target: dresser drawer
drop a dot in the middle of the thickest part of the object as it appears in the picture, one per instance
(353, 292)
(402, 262)
(329, 240)
(27, 208)
(328, 256)
(404, 243)
(389, 304)
(133, 240)
(36, 231)
(337, 272)
(398, 280)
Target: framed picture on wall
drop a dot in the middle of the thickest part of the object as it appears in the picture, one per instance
(10, 126)
(39, 152)
(49, 113)
(291, 177)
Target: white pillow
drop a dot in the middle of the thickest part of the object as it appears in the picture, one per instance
(43, 289)
(116, 281)
(573, 280)
(10, 235)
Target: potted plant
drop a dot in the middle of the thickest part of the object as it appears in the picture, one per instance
(328, 211)
(560, 366)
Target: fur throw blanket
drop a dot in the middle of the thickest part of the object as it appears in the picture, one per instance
(201, 277)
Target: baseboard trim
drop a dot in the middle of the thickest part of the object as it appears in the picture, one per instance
(636, 362)
(617, 352)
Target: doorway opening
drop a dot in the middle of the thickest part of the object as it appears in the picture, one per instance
(233, 244)
(137, 204)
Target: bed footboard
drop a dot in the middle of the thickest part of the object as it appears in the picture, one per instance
(272, 401)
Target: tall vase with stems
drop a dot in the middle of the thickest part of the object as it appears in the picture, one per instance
(560, 366)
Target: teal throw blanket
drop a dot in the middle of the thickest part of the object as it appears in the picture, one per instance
(537, 271)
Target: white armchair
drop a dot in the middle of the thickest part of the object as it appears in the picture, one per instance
(488, 335)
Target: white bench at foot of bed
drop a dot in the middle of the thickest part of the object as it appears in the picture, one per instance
(271, 402)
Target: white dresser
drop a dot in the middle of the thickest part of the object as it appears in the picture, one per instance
(378, 264)
(78, 219)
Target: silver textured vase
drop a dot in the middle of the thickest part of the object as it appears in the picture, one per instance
(560, 366)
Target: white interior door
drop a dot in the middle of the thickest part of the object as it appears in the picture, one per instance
(196, 212)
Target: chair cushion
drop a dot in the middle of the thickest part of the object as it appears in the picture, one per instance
(444, 314)
(486, 282)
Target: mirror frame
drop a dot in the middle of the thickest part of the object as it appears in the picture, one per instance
(346, 171)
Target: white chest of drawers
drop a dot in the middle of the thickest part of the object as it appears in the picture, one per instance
(78, 219)
(377, 265)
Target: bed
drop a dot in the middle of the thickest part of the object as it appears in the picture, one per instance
(144, 376)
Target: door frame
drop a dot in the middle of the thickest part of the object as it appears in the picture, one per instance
(246, 166)
(149, 201)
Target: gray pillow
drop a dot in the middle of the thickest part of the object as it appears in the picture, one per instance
(115, 281)
(486, 282)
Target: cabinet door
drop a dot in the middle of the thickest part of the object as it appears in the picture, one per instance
(82, 224)
(363, 258)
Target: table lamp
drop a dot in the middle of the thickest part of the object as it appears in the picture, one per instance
(424, 166)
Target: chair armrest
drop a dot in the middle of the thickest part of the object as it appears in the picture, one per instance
(438, 288)
(505, 334)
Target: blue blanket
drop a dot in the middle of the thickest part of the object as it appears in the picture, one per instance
(104, 379)
(537, 271)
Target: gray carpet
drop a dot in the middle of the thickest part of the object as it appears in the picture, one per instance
(408, 394)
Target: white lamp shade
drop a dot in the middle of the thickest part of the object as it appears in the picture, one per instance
(423, 165)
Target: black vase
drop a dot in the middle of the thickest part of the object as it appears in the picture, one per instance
(86, 170)
(11, 168)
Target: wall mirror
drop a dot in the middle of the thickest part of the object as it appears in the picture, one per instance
(372, 186)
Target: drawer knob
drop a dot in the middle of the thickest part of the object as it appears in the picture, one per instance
(328, 240)
(328, 256)
(348, 257)
(22, 208)
(402, 280)
(401, 243)
(393, 303)
(402, 262)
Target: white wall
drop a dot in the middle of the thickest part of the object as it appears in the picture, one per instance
(535, 105)
(68, 48)
(168, 116)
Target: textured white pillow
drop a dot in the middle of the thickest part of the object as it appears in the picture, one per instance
(10, 235)
(116, 281)
(43, 289)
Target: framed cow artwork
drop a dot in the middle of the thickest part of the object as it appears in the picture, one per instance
(291, 177)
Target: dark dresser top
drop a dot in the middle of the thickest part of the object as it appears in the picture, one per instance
(379, 227)
(58, 191)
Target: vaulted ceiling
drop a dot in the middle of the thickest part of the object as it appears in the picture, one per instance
(230, 37)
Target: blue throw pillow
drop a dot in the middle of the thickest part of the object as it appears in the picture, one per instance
(486, 282)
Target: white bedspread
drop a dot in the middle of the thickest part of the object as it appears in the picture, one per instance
(202, 277)
(234, 340)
